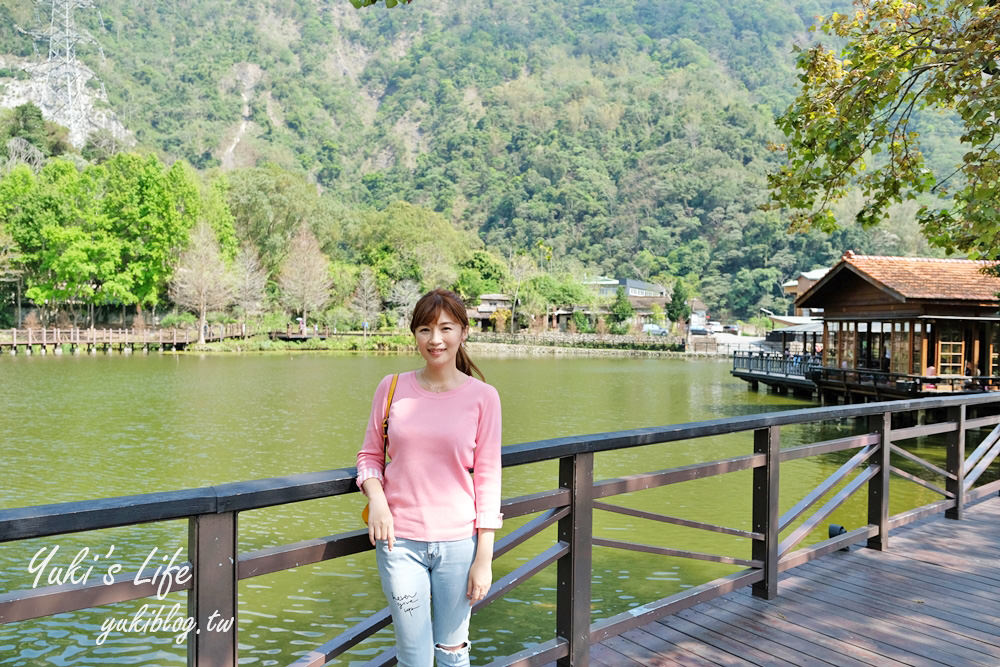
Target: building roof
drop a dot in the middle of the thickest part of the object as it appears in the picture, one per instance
(815, 274)
(915, 278)
(794, 320)
(814, 326)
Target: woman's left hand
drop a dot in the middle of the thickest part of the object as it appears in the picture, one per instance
(480, 580)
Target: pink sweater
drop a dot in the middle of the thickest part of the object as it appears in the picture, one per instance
(435, 439)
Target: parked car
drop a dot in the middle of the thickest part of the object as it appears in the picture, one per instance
(731, 329)
(698, 331)
(715, 327)
(654, 330)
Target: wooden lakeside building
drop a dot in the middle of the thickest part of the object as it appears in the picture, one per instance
(791, 597)
(894, 327)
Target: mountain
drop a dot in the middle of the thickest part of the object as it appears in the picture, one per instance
(628, 136)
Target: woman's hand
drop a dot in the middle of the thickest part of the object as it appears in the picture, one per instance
(380, 523)
(480, 580)
(379, 516)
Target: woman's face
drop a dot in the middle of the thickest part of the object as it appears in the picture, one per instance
(439, 341)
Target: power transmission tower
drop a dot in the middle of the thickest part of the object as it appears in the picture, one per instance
(65, 77)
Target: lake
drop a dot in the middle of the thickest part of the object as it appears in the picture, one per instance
(78, 428)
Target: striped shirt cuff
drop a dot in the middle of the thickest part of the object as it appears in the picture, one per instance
(368, 473)
(489, 521)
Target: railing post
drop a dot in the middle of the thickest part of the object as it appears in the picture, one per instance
(878, 488)
(573, 573)
(766, 441)
(956, 462)
(212, 599)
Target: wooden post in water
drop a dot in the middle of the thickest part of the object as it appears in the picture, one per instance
(878, 487)
(956, 462)
(573, 573)
(766, 441)
(212, 599)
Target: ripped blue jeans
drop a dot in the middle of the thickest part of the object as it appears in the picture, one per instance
(425, 584)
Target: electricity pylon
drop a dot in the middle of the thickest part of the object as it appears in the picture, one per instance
(65, 77)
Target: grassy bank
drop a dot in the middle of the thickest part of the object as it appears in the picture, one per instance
(399, 343)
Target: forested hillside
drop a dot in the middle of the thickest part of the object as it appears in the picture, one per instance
(626, 137)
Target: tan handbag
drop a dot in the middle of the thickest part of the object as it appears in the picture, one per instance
(385, 435)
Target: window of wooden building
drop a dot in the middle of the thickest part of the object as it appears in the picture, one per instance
(847, 345)
(994, 330)
(899, 349)
(951, 350)
(830, 340)
(917, 359)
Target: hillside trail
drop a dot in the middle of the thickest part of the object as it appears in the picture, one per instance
(248, 75)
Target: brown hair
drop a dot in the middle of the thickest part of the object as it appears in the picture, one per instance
(428, 310)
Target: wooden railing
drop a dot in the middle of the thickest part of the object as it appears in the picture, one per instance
(569, 339)
(906, 381)
(775, 537)
(99, 337)
(775, 364)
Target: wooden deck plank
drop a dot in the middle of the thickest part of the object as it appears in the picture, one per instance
(671, 653)
(603, 655)
(723, 642)
(898, 560)
(625, 645)
(899, 631)
(908, 594)
(824, 621)
(939, 579)
(710, 654)
(713, 623)
(932, 599)
(779, 630)
(816, 583)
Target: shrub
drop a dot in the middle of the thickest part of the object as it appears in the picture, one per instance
(173, 320)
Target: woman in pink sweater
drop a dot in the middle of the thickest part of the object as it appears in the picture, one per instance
(435, 506)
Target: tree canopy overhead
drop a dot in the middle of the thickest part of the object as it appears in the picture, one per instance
(855, 123)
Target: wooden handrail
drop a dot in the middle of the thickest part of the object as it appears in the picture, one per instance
(212, 513)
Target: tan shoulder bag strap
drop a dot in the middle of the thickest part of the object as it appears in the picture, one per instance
(385, 418)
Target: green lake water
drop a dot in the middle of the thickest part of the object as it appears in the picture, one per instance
(78, 428)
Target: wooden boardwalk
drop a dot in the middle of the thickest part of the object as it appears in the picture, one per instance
(932, 599)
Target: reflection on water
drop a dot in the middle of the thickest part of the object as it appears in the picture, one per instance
(78, 428)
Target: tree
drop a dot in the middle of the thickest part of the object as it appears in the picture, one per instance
(852, 125)
(678, 309)
(201, 282)
(659, 318)
(305, 275)
(10, 269)
(27, 123)
(621, 309)
(500, 317)
(151, 210)
(22, 151)
(521, 268)
(249, 281)
(404, 295)
(366, 301)
(269, 207)
(358, 4)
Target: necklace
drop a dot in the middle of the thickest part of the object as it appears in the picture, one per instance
(437, 389)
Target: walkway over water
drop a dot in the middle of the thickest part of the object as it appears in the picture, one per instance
(932, 599)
